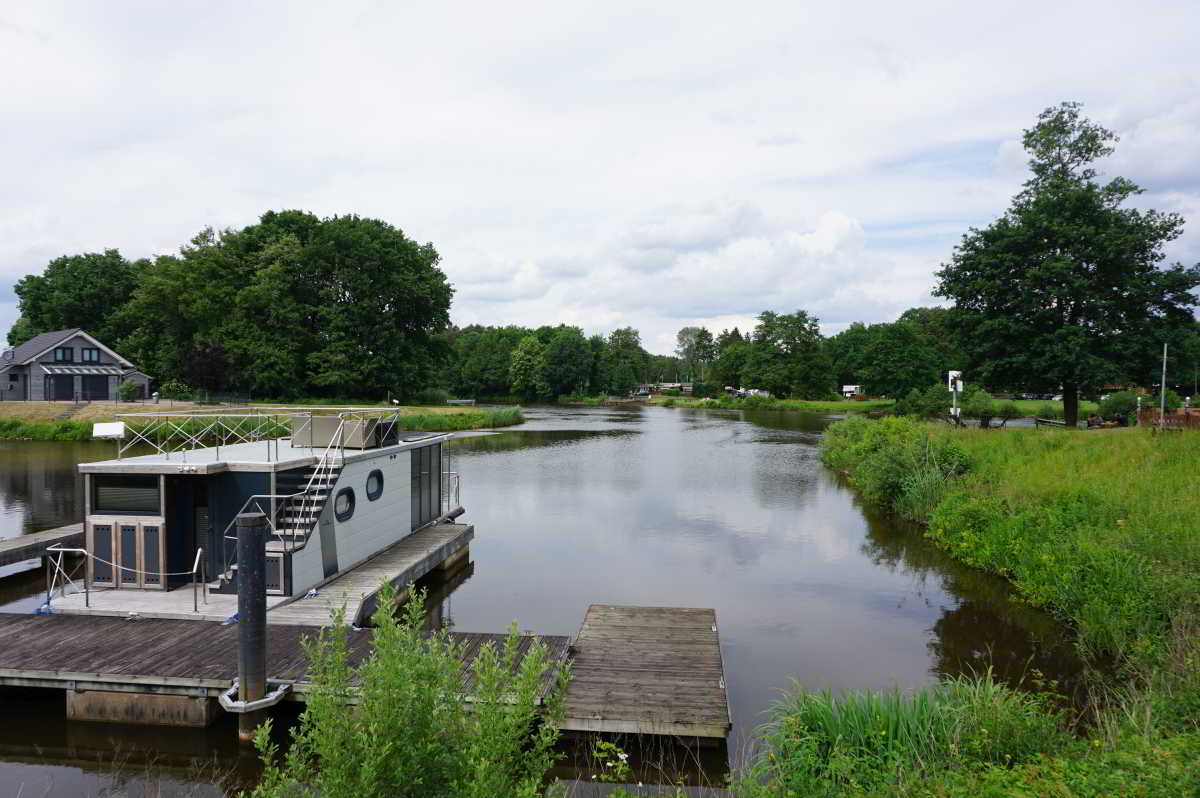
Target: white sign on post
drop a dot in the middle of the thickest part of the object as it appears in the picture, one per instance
(954, 381)
(110, 429)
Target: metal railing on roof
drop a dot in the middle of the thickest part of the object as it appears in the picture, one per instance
(169, 431)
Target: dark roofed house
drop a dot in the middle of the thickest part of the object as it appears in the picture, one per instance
(65, 365)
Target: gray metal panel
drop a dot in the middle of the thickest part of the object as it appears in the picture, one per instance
(102, 548)
(128, 534)
(151, 549)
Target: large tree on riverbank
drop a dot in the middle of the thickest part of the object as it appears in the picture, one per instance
(1066, 289)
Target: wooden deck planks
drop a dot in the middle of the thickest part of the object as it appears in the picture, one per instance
(160, 655)
(28, 547)
(356, 589)
(648, 670)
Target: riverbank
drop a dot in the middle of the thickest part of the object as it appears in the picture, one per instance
(727, 402)
(60, 421)
(1098, 528)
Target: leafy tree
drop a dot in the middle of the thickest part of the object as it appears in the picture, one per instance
(1066, 288)
(83, 291)
(695, 347)
(567, 361)
(896, 359)
(936, 325)
(847, 352)
(625, 360)
(787, 356)
(526, 372)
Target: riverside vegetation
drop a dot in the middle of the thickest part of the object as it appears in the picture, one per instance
(422, 419)
(1098, 528)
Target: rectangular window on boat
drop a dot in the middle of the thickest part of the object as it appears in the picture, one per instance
(117, 494)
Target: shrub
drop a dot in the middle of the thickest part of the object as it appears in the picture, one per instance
(412, 733)
(431, 396)
(704, 390)
(175, 389)
(128, 390)
(672, 392)
(1123, 402)
(933, 401)
(1007, 411)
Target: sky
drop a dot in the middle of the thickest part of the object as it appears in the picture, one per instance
(655, 165)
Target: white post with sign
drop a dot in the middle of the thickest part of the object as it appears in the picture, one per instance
(954, 385)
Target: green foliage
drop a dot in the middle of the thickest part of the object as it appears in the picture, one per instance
(566, 362)
(16, 429)
(896, 463)
(175, 389)
(128, 390)
(1067, 288)
(1124, 402)
(527, 369)
(431, 396)
(411, 733)
(1049, 410)
(787, 357)
(857, 743)
(84, 291)
(898, 359)
(1007, 411)
(932, 402)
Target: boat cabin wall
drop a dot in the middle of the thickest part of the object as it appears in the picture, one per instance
(227, 494)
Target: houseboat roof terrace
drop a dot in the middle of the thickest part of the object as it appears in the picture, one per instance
(208, 441)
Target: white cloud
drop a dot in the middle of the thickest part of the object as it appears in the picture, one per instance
(601, 165)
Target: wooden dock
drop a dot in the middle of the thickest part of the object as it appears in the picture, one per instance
(648, 670)
(635, 670)
(171, 657)
(356, 588)
(29, 547)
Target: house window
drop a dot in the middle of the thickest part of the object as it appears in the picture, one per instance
(374, 485)
(343, 504)
(14, 377)
(90, 355)
(64, 354)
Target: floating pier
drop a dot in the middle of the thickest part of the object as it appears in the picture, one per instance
(30, 547)
(635, 670)
(648, 670)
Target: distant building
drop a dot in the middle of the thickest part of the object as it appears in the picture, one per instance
(65, 365)
(849, 391)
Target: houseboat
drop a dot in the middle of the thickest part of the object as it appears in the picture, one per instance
(337, 486)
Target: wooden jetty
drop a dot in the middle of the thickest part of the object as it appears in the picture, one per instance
(648, 670)
(635, 670)
(163, 659)
(438, 546)
(30, 547)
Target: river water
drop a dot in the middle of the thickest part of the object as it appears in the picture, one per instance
(641, 505)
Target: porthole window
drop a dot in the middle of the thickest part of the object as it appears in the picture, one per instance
(343, 504)
(374, 485)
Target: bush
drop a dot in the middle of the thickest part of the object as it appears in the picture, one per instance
(128, 390)
(1123, 402)
(431, 396)
(933, 401)
(894, 462)
(1007, 411)
(704, 390)
(175, 389)
(672, 392)
(412, 733)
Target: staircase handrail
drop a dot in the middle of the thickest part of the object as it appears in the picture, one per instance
(321, 473)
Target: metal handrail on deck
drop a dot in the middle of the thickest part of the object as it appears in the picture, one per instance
(198, 567)
(52, 578)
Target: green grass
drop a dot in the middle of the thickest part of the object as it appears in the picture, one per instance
(822, 744)
(18, 429)
(1099, 528)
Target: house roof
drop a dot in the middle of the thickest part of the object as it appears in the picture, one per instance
(38, 344)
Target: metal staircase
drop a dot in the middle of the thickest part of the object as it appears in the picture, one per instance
(292, 515)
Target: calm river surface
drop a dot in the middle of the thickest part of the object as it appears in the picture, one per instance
(644, 505)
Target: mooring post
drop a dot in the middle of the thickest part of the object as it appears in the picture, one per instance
(252, 618)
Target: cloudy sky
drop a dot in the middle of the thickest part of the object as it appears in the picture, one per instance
(601, 164)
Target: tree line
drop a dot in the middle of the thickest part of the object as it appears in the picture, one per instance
(1065, 293)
